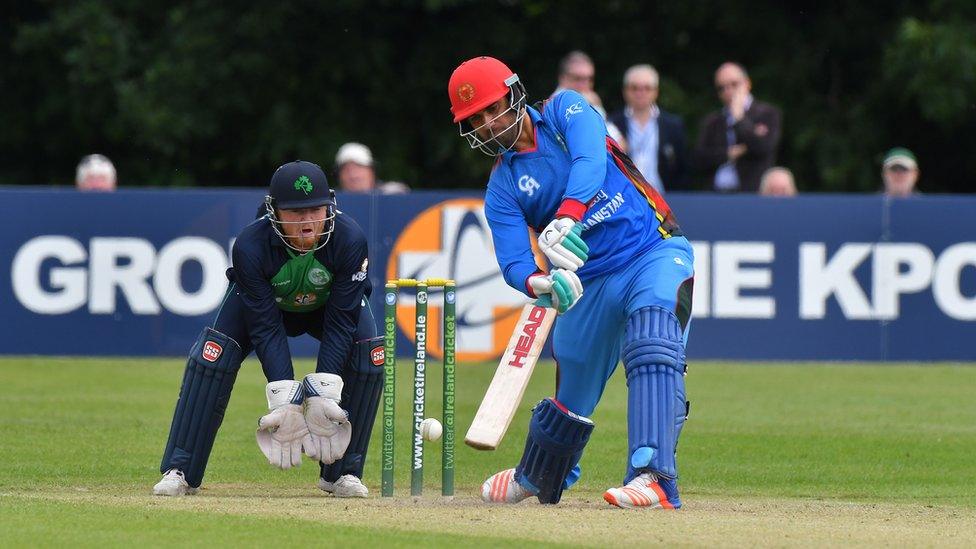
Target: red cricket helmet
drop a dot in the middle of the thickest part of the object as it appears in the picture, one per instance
(477, 83)
(474, 86)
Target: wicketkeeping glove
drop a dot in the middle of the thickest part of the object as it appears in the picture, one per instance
(329, 430)
(563, 245)
(280, 432)
(561, 286)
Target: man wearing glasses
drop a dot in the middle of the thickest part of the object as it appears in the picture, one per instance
(655, 138)
(578, 73)
(738, 143)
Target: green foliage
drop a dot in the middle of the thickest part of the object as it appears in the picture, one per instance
(216, 93)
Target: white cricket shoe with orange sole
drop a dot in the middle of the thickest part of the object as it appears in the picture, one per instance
(646, 491)
(502, 488)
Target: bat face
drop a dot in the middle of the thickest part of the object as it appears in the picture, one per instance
(511, 378)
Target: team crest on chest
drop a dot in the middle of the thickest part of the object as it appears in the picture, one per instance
(528, 185)
(318, 277)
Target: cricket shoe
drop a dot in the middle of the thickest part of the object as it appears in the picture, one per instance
(346, 486)
(646, 491)
(173, 484)
(502, 488)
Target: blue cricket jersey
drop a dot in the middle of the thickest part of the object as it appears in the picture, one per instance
(575, 170)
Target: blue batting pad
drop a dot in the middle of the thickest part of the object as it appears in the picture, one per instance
(654, 358)
(552, 450)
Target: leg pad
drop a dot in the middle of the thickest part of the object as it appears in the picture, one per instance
(552, 449)
(362, 386)
(654, 359)
(207, 383)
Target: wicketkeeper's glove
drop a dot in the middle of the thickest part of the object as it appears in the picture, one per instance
(280, 432)
(329, 430)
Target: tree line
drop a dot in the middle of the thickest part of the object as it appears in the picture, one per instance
(208, 93)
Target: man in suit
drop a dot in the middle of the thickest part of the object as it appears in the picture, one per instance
(655, 138)
(738, 143)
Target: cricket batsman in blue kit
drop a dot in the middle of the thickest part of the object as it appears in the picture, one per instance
(605, 229)
(300, 268)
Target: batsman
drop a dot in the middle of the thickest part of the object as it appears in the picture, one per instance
(299, 269)
(602, 227)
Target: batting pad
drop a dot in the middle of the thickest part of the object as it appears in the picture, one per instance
(207, 382)
(552, 449)
(362, 386)
(654, 358)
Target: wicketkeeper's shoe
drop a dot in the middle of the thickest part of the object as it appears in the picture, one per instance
(646, 491)
(502, 488)
(173, 484)
(346, 486)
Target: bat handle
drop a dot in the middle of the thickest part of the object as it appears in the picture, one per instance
(545, 300)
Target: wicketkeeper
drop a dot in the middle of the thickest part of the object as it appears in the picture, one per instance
(605, 229)
(300, 269)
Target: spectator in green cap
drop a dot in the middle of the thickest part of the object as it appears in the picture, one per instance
(899, 171)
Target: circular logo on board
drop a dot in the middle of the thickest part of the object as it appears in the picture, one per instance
(451, 239)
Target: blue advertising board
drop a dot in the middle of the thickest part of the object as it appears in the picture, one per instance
(832, 277)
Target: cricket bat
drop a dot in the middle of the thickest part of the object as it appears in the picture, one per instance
(512, 377)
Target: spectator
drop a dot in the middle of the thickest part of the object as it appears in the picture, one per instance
(777, 181)
(577, 72)
(738, 143)
(899, 171)
(95, 173)
(357, 172)
(655, 138)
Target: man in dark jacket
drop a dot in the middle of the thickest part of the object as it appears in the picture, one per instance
(655, 138)
(738, 143)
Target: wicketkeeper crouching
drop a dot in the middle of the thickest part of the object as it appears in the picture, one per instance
(300, 269)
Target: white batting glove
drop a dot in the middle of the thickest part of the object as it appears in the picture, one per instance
(329, 430)
(563, 245)
(561, 286)
(280, 432)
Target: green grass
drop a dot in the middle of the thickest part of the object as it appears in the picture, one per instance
(78, 432)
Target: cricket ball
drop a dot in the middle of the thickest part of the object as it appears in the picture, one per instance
(431, 429)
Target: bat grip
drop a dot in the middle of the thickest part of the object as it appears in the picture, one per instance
(545, 300)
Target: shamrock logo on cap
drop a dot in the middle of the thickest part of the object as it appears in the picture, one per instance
(303, 183)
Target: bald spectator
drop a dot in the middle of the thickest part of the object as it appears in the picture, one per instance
(739, 142)
(95, 173)
(655, 137)
(777, 181)
(899, 172)
(577, 72)
(356, 171)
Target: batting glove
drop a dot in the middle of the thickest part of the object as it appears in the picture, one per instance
(563, 245)
(329, 430)
(280, 433)
(561, 286)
